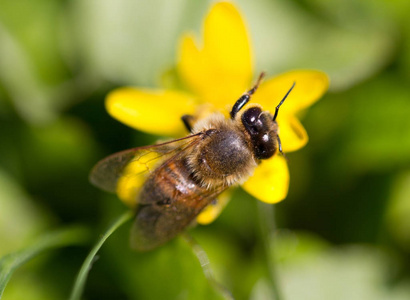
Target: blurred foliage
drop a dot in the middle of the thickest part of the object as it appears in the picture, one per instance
(347, 214)
(62, 238)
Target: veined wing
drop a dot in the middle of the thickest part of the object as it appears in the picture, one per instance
(134, 163)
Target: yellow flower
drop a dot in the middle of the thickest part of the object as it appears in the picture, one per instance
(216, 74)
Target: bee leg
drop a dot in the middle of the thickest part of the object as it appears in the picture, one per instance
(245, 98)
(188, 121)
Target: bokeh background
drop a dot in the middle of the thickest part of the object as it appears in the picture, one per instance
(342, 233)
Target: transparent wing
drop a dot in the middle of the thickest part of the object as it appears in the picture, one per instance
(134, 163)
(156, 224)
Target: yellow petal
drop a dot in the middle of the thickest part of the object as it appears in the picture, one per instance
(220, 71)
(213, 210)
(292, 134)
(310, 86)
(153, 111)
(270, 182)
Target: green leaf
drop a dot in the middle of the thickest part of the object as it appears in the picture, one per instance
(205, 264)
(85, 268)
(171, 271)
(65, 237)
(21, 218)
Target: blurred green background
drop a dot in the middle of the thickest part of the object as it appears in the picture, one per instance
(344, 230)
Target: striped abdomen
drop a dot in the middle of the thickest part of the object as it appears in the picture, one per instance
(169, 201)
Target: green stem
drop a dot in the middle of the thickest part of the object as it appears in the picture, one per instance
(85, 268)
(61, 238)
(267, 226)
(206, 267)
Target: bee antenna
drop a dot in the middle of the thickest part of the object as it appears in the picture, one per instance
(283, 100)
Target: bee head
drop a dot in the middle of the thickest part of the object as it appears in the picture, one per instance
(260, 125)
(263, 131)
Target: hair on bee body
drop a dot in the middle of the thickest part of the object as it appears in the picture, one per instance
(224, 157)
(191, 172)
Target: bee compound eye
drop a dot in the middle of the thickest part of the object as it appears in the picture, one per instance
(250, 116)
(252, 121)
(265, 146)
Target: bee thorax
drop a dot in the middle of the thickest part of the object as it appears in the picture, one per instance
(224, 158)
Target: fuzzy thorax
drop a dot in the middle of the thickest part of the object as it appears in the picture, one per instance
(225, 156)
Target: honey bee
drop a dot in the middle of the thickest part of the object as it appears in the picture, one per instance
(192, 171)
